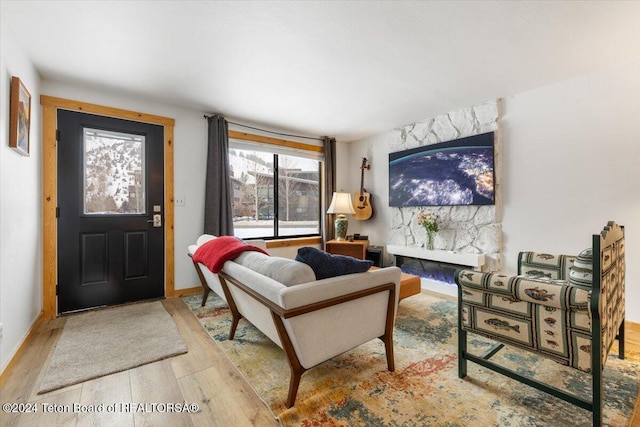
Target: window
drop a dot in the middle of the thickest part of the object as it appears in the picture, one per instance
(113, 172)
(276, 191)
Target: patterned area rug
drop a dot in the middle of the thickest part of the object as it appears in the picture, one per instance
(355, 388)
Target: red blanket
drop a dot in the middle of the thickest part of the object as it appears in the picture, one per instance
(216, 252)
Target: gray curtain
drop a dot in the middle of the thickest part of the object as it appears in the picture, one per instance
(330, 184)
(218, 216)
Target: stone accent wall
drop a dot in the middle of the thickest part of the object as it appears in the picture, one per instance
(470, 229)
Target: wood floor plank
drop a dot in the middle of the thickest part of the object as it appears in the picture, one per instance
(22, 385)
(632, 339)
(235, 404)
(105, 395)
(155, 384)
(198, 342)
(54, 410)
(237, 393)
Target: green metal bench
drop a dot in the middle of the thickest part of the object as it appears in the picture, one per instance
(566, 308)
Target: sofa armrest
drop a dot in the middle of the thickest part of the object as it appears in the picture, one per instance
(546, 292)
(328, 317)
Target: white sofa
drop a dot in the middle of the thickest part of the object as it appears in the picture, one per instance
(312, 320)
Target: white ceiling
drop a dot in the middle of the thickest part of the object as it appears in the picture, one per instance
(345, 69)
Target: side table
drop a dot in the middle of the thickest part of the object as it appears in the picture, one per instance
(356, 249)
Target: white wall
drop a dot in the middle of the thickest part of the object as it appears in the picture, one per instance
(20, 207)
(571, 162)
(376, 182)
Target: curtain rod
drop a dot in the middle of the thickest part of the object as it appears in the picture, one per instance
(268, 131)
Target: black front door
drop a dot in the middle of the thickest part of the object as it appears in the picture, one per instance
(110, 211)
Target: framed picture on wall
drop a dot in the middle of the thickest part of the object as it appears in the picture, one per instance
(20, 106)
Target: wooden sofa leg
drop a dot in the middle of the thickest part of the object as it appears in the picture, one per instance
(234, 324)
(203, 283)
(388, 348)
(387, 338)
(205, 295)
(294, 383)
(294, 363)
(235, 313)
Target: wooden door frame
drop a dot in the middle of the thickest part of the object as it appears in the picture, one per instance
(50, 107)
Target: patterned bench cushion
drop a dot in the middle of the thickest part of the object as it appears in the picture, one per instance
(534, 264)
(546, 292)
(542, 315)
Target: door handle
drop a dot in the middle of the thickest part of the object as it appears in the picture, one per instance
(156, 221)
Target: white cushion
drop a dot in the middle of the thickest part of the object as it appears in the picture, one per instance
(284, 270)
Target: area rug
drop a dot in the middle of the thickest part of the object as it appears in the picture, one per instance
(355, 388)
(103, 342)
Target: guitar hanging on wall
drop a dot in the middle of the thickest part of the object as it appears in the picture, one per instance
(362, 203)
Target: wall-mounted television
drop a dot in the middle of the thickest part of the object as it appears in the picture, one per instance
(453, 173)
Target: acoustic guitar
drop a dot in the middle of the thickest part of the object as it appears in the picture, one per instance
(362, 203)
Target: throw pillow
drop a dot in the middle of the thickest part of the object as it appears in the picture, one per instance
(326, 265)
(581, 273)
(283, 270)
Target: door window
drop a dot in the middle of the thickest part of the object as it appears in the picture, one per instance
(114, 180)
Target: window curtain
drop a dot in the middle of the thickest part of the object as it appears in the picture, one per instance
(218, 214)
(330, 184)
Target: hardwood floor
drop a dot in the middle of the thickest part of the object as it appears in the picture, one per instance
(203, 376)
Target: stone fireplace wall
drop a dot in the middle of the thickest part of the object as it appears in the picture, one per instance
(468, 229)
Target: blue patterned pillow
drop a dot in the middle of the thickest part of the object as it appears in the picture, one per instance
(326, 265)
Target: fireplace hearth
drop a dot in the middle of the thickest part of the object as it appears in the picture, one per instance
(435, 267)
(430, 270)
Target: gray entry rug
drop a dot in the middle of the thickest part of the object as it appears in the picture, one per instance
(104, 342)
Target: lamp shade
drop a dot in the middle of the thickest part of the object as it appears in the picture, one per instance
(341, 204)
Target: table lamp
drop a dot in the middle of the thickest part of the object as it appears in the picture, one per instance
(341, 205)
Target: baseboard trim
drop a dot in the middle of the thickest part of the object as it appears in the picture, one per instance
(439, 287)
(6, 371)
(179, 293)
